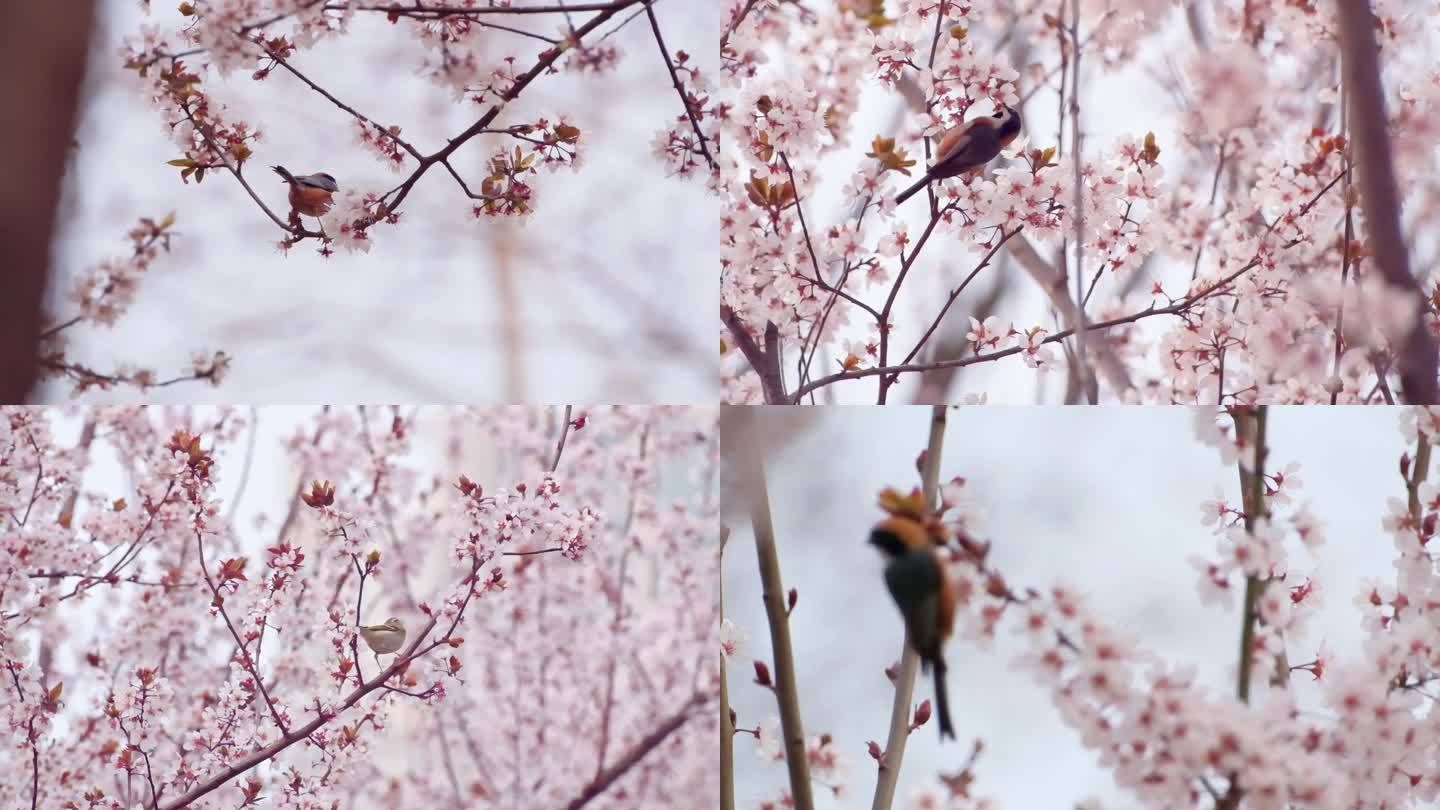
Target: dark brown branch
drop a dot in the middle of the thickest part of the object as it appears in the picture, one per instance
(547, 58)
(1381, 201)
(679, 86)
(637, 752)
(560, 447)
(296, 735)
(765, 364)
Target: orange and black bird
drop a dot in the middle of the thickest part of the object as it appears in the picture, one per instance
(310, 194)
(968, 146)
(916, 578)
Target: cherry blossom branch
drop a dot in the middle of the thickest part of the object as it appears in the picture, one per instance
(34, 488)
(450, 11)
(1180, 306)
(416, 12)
(547, 58)
(1052, 282)
(735, 23)
(234, 169)
(384, 131)
(888, 776)
(955, 293)
(1360, 57)
(637, 752)
(679, 86)
(359, 602)
(245, 660)
(765, 363)
(905, 264)
(290, 738)
(88, 377)
(126, 557)
(93, 580)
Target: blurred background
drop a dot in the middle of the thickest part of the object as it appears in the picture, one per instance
(590, 299)
(1107, 500)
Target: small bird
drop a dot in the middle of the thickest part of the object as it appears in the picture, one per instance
(310, 194)
(926, 597)
(968, 146)
(384, 638)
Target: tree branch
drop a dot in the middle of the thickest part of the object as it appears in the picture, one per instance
(1377, 188)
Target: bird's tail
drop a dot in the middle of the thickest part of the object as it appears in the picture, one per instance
(910, 192)
(942, 701)
(285, 173)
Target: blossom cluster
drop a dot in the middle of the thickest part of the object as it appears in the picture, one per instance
(1225, 259)
(101, 295)
(156, 648)
(463, 49)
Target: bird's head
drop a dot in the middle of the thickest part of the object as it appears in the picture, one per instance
(898, 534)
(1007, 122)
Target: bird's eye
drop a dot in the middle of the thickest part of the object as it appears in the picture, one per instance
(998, 114)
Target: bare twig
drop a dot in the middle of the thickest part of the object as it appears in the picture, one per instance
(787, 693)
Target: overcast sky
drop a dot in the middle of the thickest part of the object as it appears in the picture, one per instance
(1107, 499)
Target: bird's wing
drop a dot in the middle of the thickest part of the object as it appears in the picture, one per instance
(955, 139)
(914, 581)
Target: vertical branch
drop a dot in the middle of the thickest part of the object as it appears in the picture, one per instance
(1360, 56)
(889, 775)
(1418, 471)
(764, 361)
(786, 692)
(1349, 235)
(1082, 363)
(1250, 429)
(727, 723)
(1250, 433)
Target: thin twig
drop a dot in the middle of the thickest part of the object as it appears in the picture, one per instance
(679, 87)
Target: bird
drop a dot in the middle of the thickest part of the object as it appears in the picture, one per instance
(384, 638)
(310, 194)
(968, 146)
(916, 579)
